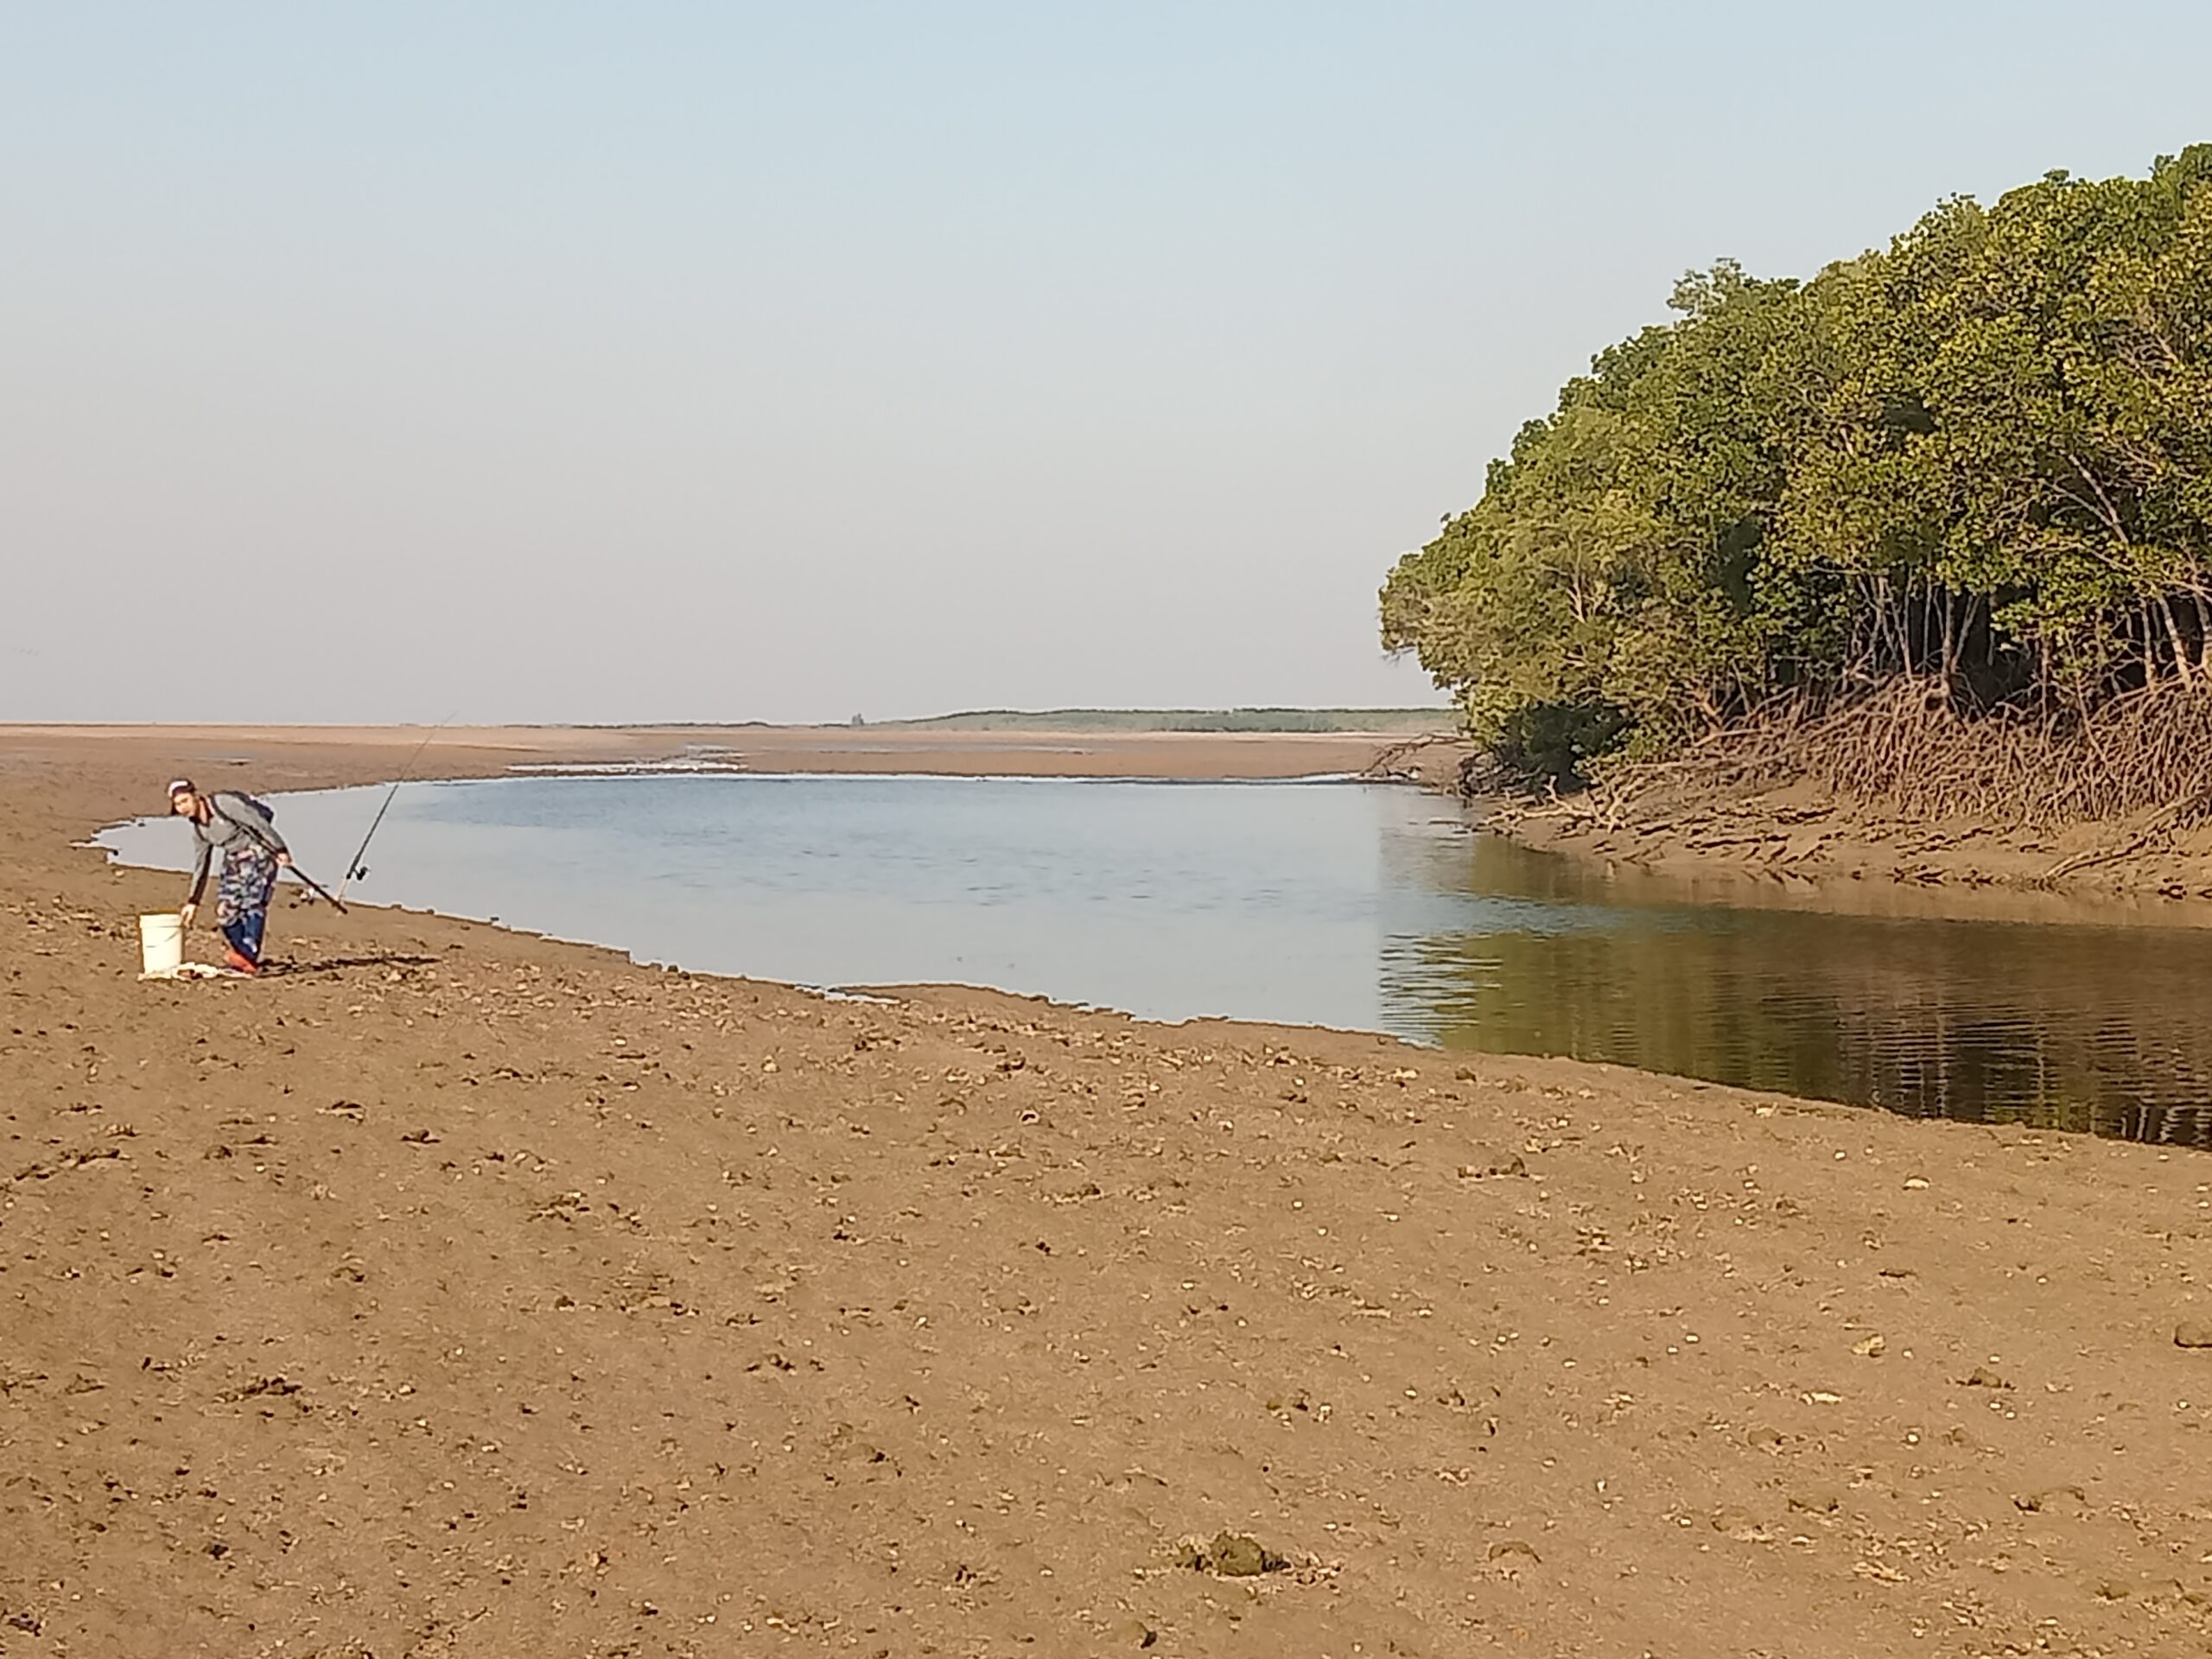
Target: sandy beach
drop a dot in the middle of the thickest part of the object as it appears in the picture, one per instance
(459, 1292)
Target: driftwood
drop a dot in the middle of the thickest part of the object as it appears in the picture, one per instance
(1391, 761)
(2162, 823)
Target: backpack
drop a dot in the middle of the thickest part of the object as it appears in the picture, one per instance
(253, 801)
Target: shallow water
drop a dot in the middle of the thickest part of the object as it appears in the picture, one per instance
(1369, 908)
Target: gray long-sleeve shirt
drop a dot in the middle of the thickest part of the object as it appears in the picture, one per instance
(232, 821)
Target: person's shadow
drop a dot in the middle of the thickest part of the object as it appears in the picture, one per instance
(333, 967)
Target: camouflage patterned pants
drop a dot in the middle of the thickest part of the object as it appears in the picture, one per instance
(242, 897)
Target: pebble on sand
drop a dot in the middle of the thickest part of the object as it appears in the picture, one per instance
(1231, 1555)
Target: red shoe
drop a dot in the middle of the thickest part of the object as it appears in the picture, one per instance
(238, 963)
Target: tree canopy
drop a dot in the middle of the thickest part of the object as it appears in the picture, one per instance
(1981, 455)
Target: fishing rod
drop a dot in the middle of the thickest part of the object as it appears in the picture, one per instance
(318, 889)
(354, 865)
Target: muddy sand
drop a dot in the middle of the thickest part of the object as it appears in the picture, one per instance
(1800, 844)
(455, 1292)
(1804, 840)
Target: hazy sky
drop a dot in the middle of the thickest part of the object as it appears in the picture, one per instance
(554, 361)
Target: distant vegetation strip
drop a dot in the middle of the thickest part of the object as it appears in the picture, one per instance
(1391, 721)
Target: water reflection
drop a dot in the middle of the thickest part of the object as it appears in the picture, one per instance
(2057, 1025)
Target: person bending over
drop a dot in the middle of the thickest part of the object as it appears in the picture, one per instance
(239, 827)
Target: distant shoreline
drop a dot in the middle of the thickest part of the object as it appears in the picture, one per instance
(1282, 721)
(316, 756)
(1366, 722)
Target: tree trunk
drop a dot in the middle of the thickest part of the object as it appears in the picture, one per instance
(2183, 658)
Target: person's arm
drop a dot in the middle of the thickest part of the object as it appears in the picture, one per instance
(199, 875)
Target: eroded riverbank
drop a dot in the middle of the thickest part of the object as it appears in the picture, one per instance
(1822, 847)
(462, 1293)
(1829, 852)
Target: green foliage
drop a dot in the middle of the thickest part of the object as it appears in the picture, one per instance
(1984, 453)
(1553, 742)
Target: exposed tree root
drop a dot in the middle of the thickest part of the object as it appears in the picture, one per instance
(1908, 750)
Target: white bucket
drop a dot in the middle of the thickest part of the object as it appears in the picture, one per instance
(161, 944)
